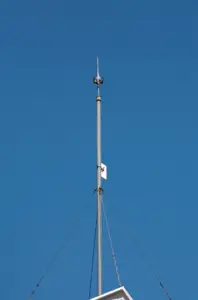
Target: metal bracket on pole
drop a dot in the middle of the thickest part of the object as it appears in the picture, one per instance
(100, 190)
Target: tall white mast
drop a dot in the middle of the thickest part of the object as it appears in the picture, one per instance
(98, 81)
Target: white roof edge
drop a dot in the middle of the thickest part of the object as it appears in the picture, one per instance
(122, 288)
(128, 295)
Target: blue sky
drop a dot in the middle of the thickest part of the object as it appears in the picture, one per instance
(148, 57)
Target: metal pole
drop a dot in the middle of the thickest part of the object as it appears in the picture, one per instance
(98, 81)
(99, 192)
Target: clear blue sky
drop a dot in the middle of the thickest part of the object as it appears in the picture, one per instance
(148, 54)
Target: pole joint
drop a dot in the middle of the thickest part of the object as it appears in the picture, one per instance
(98, 99)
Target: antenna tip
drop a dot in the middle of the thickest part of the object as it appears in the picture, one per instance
(97, 79)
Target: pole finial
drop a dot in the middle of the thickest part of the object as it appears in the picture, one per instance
(97, 79)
